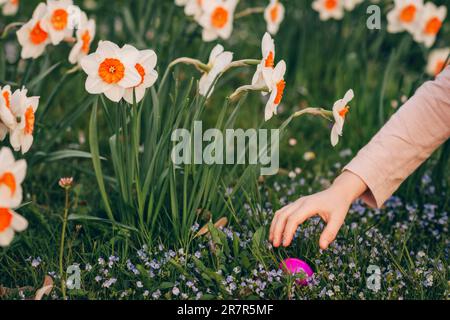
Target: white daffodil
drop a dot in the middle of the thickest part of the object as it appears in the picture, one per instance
(145, 66)
(194, 8)
(437, 61)
(85, 35)
(351, 4)
(31, 36)
(340, 110)
(10, 223)
(274, 16)
(276, 86)
(111, 70)
(12, 174)
(329, 9)
(430, 24)
(405, 16)
(218, 61)
(217, 19)
(10, 7)
(56, 20)
(23, 109)
(267, 62)
(6, 116)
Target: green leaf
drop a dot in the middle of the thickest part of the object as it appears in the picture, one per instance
(93, 143)
(42, 76)
(67, 154)
(80, 217)
(258, 237)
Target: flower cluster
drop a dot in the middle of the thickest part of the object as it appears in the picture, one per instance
(9, 7)
(120, 73)
(12, 174)
(53, 23)
(216, 17)
(17, 117)
(334, 9)
(422, 21)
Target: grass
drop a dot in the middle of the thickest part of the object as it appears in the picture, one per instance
(142, 245)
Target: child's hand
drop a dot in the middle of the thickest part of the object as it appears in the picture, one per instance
(331, 205)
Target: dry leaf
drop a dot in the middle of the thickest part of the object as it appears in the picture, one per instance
(222, 222)
(47, 287)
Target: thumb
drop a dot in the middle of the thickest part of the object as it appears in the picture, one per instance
(330, 232)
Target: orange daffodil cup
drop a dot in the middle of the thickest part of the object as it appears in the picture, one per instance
(12, 174)
(117, 72)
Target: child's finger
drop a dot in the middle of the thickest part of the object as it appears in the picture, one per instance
(281, 222)
(294, 220)
(279, 228)
(275, 219)
(330, 232)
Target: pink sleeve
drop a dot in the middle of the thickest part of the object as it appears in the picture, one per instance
(409, 138)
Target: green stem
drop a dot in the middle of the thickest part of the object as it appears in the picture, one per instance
(248, 12)
(242, 63)
(10, 26)
(327, 114)
(239, 91)
(61, 248)
(197, 63)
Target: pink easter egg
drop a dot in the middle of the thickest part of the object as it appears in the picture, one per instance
(294, 266)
